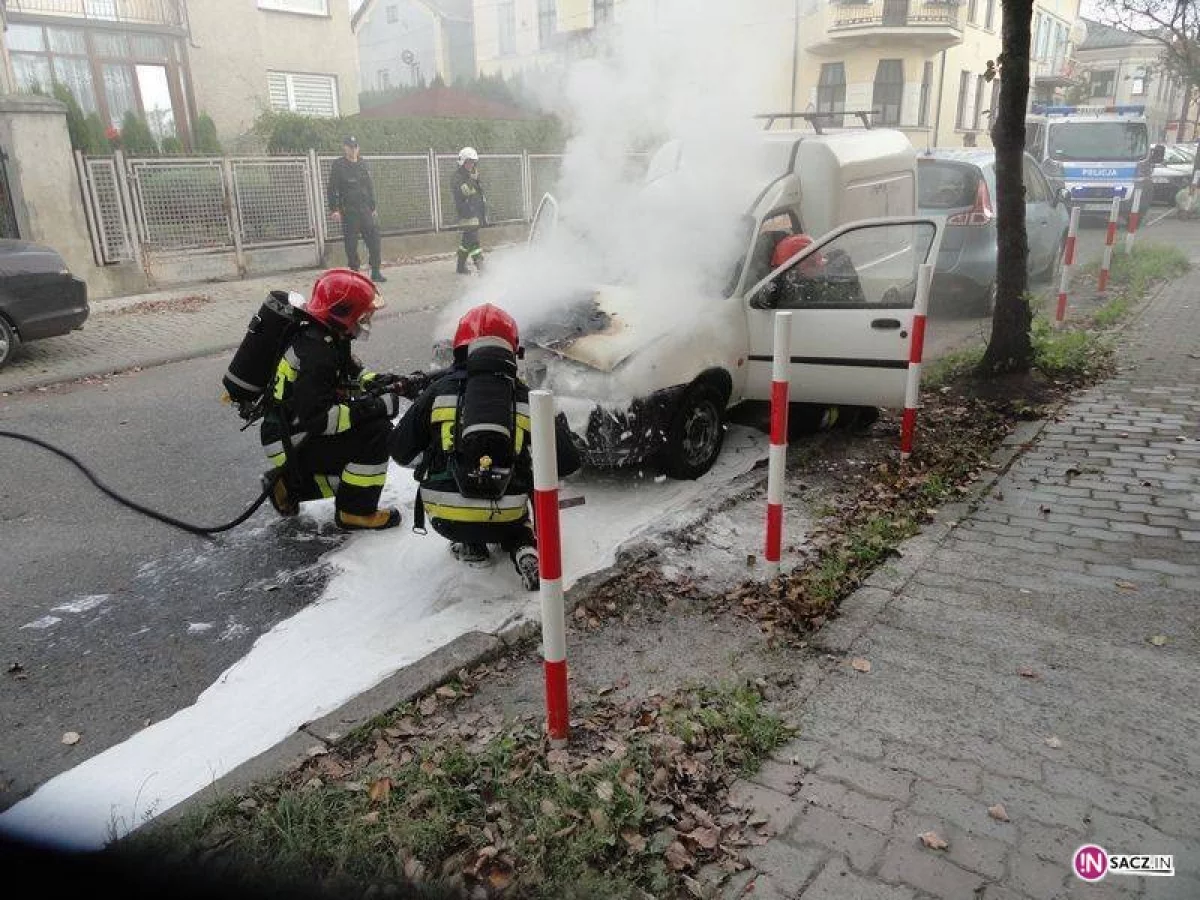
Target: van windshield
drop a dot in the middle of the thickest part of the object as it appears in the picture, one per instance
(1096, 141)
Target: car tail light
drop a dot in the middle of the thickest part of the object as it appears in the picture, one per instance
(979, 214)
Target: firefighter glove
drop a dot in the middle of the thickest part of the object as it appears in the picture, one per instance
(366, 409)
(380, 381)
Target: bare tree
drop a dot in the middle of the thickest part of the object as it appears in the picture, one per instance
(1010, 348)
(1175, 25)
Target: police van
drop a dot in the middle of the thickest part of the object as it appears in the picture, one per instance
(1095, 152)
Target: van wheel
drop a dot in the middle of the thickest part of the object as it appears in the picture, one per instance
(696, 434)
(8, 341)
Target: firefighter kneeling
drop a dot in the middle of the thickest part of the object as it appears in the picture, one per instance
(470, 429)
(327, 420)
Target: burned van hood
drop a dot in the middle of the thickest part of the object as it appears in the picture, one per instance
(600, 327)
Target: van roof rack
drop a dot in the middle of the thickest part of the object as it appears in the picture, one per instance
(1038, 109)
(814, 118)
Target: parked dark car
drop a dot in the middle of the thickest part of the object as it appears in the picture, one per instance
(960, 184)
(39, 297)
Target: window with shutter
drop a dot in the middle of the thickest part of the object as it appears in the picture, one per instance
(308, 95)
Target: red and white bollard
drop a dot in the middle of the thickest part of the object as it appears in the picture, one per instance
(1134, 216)
(1110, 238)
(549, 544)
(777, 455)
(912, 389)
(1068, 265)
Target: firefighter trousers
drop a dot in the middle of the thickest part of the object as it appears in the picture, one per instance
(350, 467)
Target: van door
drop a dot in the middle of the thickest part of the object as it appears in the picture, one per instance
(851, 294)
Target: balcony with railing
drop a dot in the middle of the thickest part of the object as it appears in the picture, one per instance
(125, 12)
(917, 24)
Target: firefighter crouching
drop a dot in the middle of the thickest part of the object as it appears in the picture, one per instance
(476, 493)
(327, 420)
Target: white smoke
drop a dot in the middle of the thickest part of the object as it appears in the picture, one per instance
(667, 73)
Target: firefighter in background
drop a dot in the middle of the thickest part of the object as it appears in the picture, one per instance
(788, 290)
(426, 431)
(325, 425)
(351, 196)
(471, 204)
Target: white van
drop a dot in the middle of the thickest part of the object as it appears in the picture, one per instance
(636, 388)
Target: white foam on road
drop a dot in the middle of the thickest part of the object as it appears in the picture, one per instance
(394, 598)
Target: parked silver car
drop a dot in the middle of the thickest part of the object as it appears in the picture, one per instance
(960, 184)
(1174, 172)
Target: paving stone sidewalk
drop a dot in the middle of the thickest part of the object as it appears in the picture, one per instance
(1041, 654)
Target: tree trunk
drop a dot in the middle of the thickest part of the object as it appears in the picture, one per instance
(1010, 349)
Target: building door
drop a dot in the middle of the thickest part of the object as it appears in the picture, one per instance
(8, 217)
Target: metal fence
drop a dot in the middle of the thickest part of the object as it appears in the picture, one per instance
(173, 206)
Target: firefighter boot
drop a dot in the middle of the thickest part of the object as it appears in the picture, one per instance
(274, 485)
(375, 521)
(475, 555)
(525, 561)
(377, 276)
(462, 264)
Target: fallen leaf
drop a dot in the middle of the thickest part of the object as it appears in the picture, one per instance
(933, 840)
(599, 818)
(566, 832)
(370, 818)
(380, 790)
(604, 790)
(549, 808)
(998, 812)
(678, 857)
(447, 692)
(70, 738)
(1053, 742)
(1158, 640)
(1127, 586)
(635, 841)
(500, 878)
(858, 664)
(428, 706)
(708, 838)
(1026, 672)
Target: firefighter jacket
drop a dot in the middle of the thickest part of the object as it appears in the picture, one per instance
(318, 390)
(469, 199)
(350, 187)
(426, 430)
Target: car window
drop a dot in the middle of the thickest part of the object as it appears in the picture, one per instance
(870, 266)
(1177, 156)
(1035, 186)
(945, 185)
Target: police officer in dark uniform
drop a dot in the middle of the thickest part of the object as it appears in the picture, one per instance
(351, 197)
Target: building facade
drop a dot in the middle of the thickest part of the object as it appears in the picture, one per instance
(1124, 68)
(170, 60)
(408, 43)
(250, 56)
(918, 63)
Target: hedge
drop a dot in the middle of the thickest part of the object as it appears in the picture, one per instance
(288, 133)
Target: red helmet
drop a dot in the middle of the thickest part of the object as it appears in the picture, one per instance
(487, 321)
(341, 298)
(789, 247)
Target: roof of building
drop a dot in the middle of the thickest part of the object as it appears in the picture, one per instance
(1101, 37)
(445, 103)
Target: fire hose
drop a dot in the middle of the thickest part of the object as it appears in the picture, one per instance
(400, 388)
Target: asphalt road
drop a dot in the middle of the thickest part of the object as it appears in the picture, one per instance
(110, 620)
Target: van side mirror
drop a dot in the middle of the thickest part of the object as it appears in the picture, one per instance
(1063, 196)
(1158, 154)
